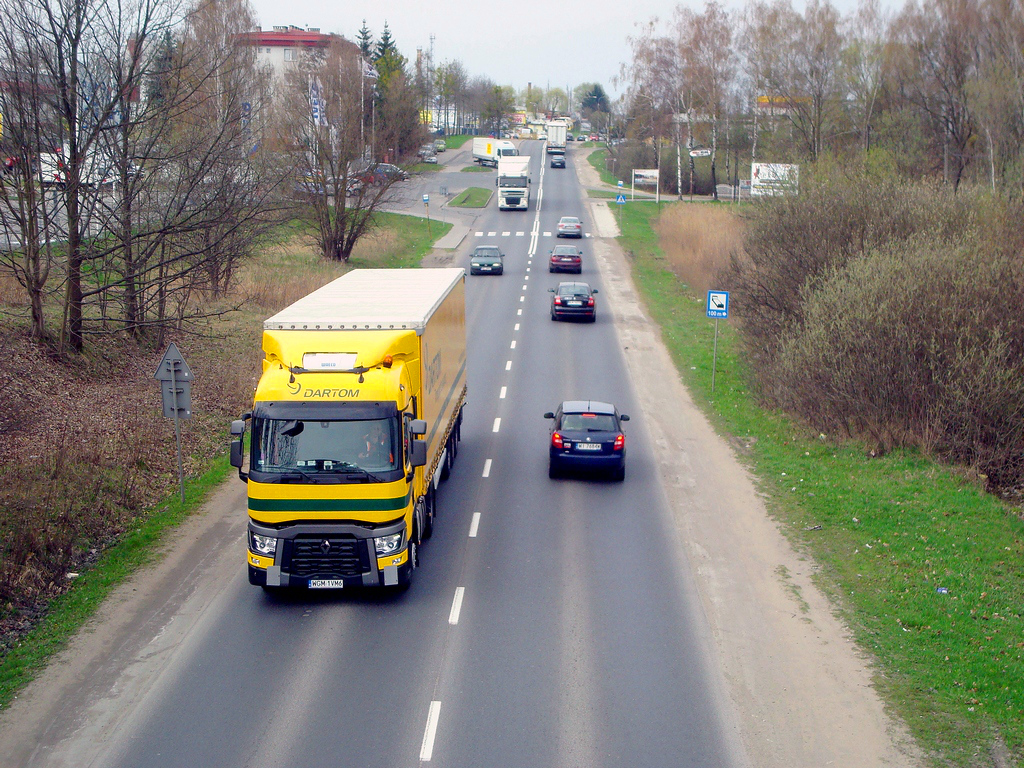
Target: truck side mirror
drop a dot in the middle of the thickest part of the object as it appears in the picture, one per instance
(418, 453)
(237, 455)
(418, 427)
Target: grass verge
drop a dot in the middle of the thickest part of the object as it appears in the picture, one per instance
(473, 197)
(401, 241)
(597, 159)
(456, 141)
(425, 168)
(70, 611)
(926, 569)
(476, 169)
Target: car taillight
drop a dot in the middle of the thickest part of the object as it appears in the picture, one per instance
(590, 301)
(556, 440)
(620, 442)
(558, 301)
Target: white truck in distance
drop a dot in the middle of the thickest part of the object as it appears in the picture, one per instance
(487, 151)
(556, 136)
(513, 183)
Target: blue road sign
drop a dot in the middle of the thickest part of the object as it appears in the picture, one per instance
(620, 199)
(426, 199)
(718, 304)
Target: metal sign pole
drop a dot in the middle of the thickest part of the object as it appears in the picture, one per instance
(714, 359)
(177, 430)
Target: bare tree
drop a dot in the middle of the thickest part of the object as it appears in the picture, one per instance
(865, 63)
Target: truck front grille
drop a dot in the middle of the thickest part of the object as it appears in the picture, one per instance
(327, 557)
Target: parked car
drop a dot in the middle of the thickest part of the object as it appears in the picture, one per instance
(487, 260)
(569, 226)
(570, 137)
(587, 435)
(440, 145)
(592, 137)
(430, 159)
(573, 300)
(566, 258)
(427, 150)
(381, 173)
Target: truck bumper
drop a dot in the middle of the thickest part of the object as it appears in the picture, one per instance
(329, 556)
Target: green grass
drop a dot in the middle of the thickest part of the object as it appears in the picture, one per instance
(414, 236)
(597, 159)
(476, 169)
(473, 197)
(21, 663)
(895, 530)
(456, 141)
(425, 168)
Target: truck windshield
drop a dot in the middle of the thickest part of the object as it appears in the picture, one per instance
(511, 181)
(351, 450)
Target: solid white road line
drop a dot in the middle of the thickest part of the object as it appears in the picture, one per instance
(453, 616)
(474, 525)
(487, 468)
(497, 424)
(427, 749)
(503, 391)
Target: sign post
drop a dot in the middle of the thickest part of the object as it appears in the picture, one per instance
(175, 379)
(426, 206)
(718, 308)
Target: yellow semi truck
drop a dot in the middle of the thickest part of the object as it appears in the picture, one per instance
(356, 420)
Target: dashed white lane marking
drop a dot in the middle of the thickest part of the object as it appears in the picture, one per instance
(522, 299)
(520, 234)
(505, 234)
(524, 286)
(547, 234)
(474, 525)
(527, 269)
(453, 615)
(427, 749)
(487, 469)
(527, 277)
(479, 234)
(503, 391)
(519, 312)
(513, 346)
(516, 328)
(508, 365)
(497, 424)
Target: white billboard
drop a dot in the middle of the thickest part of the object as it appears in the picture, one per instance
(645, 175)
(769, 179)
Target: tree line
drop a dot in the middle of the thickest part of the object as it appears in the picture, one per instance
(933, 89)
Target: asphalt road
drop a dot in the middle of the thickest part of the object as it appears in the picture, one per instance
(549, 625)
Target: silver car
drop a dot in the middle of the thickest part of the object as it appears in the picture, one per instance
(569, 226)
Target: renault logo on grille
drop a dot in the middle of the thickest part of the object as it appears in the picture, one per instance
(325, 546)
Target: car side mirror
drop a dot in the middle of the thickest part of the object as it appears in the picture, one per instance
(551, 290)
(549, 415)
(418, 427)
(624, 417)
(595, 291)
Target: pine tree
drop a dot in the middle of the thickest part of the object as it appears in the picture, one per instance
(365, 41)
(386, 45)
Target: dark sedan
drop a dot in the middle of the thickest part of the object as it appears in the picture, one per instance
(566, 258)
(487, 260)
(558, 161)
(587, 435)
(573, 300)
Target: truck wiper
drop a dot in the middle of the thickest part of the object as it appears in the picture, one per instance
(291, 475)
(360, 472)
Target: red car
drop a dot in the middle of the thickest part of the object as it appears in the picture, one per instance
(566, 258)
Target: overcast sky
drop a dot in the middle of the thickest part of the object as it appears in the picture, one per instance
(560, 43)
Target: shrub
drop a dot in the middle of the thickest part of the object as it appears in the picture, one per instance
(922, 344)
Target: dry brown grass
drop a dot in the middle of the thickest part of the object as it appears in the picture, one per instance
(698, 240)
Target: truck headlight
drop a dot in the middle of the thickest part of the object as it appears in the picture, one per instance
(387, 545)
(262, 545)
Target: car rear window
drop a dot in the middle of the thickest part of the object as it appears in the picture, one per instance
(592, 422)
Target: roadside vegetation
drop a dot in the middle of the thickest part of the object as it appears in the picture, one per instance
(88, 484)
(922, 557)
(476, 169)
(472, 197)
